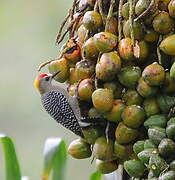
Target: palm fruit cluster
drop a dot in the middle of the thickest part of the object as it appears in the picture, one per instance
(119, 62)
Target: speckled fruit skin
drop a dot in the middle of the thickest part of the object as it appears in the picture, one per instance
(62, 66)
(79, 149)
(105, 41)
(154, 74)
(115, 114)
(125, 49)
(133, 116)
(85, 89)
(124, 134)
(92, 20)
(105, 167)
(103, 99)
(108, 66)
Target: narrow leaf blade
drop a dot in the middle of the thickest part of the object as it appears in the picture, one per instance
(11, 162)
(54, 159)
(95, 176)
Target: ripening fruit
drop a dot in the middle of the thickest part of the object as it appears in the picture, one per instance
(129, 76)
(90, 52)
(62, 66)
(125, 11)
(92, 20)
(72, 76)
(84, 69)
(151, 36)
(171, 8)
(168, 45)
(102, 149)
(85, 89)
(132, 97)
(115, 114)
(103, 99)
(162, 4)
(172, 72)
(163, 23)
(106, 167)
(79, 149)
(125, 49)
(154, 74)
(169, 84)
(124, 134)
(108, 66)
(133, 116)
(105, 41)
(144, 89)
(82, 31)
(137, 29)
(151, 106)
(112, 26)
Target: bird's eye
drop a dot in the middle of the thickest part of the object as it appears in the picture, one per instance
(47, 78)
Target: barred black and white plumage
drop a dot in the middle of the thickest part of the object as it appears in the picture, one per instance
(56, 104)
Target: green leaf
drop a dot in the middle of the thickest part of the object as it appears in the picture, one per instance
(95, 176)
(11, 162)
(55, 156)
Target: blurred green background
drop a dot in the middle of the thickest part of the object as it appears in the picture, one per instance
(27, 38)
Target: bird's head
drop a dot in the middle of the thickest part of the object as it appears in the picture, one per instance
(43, 82)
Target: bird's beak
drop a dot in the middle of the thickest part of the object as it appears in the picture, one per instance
(54, 74)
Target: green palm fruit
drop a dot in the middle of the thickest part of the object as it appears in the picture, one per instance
(103, 99)
(84, 69)
(157, 164)
(169, 84)
(125, 134)
(82, 31)
(85, 89)
(132, 97)
(115, 87)
(163, 23)
(150, 106)
(172, 165)
(172, 72)
(145, 155)
(115, 114)
(162, 4)
(108, 66)
(171, 121)
(134, 168)
(170, 131)
(137, 29)
(90, 52)
(94, 113)
(165, 102)
(169, 175)
(129, 76)
(141, 6)
(103, 149)
(168, 45)
(91, 134)
(105, 41)
(166, 148)
(72, 79)
(112, 26)
(125, 11)
(92, 20)
(149, 144)
(171, 8)
(62, 66)
(144, 89)
(106, 167)
(125, 49)
(79, 149)
(156, 134)
(158, 120)
(133, 116)
(138, 146)
(154, 74)
(151, 36)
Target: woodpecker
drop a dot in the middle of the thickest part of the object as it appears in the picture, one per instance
(60, 105)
